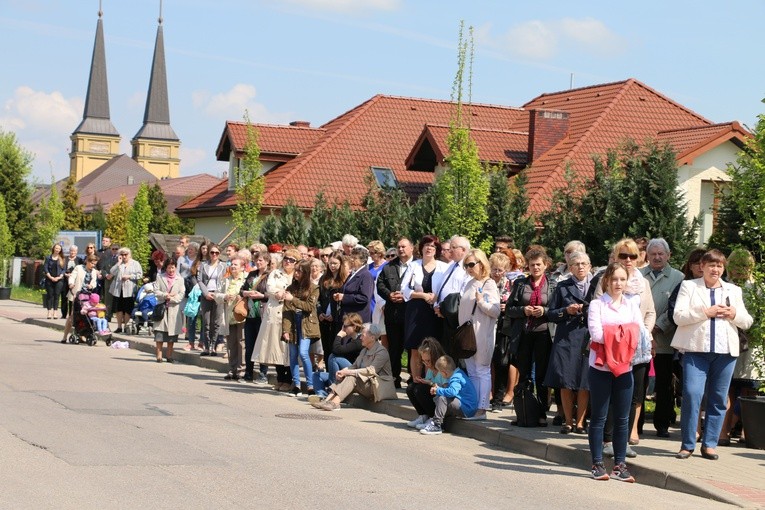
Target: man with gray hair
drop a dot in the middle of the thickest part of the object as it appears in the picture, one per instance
(563, 272)
(663, 280)
(349, 242)
(454, 282)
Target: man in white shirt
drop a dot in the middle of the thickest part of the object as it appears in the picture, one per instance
(454, 282)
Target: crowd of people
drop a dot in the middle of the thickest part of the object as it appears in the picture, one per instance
(584, 338)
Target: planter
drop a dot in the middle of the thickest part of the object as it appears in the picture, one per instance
(753, 419)
(5, 293)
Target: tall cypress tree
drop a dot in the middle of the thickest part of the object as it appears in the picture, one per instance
(15, 168)
(74, 216)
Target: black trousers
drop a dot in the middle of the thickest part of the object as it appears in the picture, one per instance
(394, 329)
(53, 294)
(251, 328)
(420, 397)
(534, 350)
(664, 414)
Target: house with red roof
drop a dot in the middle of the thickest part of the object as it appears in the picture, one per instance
(402, 141)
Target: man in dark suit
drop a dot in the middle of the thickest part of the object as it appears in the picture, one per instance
(389, 288)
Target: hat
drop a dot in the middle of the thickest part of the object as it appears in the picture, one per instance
(94, 299)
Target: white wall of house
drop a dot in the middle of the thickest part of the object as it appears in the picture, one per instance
(697, 182)
(234, 162)
(213, 227)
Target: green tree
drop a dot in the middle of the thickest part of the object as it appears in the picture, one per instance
(159, 215)
(96, 219)
(424, 216)
(6, 243)
(250, 189)
(50, 219)
(346, 220)
(387, 213)
(138, 220)
(522, 227)
(293, 227)
(116, 225)
(269, 230)
(74, 216)
(320, 234)
(15, 168)
(560, 220)
(463, 188)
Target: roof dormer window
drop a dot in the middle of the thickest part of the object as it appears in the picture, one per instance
(384, 177)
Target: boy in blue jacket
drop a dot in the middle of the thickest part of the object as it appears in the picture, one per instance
(458, 398)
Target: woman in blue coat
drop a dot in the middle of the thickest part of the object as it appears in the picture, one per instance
(569, 356)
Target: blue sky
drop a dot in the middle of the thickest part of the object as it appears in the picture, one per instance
(285, 60)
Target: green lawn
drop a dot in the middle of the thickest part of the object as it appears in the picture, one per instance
(23, 293)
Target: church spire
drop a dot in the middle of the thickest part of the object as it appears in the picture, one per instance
(96, 119)
(156, 117)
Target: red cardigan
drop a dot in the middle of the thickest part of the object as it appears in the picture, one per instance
(618, 347)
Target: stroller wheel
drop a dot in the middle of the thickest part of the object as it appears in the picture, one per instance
(73, 339)
(108, 341)
(92, 340)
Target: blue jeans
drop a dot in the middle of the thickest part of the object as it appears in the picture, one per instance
(301, 349)
(191, 329)
(335, 363)
(606, 388)
(713, 372)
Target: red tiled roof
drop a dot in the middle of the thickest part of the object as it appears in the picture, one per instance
(688, 143)
(379, 132)
(176, 191)
(272, 139)
(495, 146)
(601, 117)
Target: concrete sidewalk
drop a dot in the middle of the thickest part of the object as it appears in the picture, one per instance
(737, 478)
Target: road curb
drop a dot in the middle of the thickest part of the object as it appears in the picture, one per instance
(484, 432)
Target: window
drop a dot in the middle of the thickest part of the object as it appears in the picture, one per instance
(384, 177)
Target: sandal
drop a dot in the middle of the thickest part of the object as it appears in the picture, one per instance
(580, 430)
(634, 442)
(566, 429)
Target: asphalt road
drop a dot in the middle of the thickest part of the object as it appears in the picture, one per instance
(94, 427)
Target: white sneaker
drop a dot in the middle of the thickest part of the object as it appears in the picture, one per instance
(424, 425)
(417, 421)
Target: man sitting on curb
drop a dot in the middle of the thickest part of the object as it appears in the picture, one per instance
(458, 398)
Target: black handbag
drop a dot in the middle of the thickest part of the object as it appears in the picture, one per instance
(528, 408)
(464, 338)
(159, 312)
(450, 308)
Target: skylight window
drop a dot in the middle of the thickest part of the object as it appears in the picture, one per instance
(384, 177)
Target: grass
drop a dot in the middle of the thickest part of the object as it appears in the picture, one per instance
(23, 293)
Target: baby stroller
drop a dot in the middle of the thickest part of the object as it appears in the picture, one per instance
(82, 328)
(141, 316)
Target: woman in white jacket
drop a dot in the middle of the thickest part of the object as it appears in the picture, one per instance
(480, 302)
(708, 313)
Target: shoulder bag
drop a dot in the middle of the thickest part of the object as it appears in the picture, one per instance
(241, 310)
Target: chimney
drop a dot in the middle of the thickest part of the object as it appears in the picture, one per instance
(546, 129)
(300, 123)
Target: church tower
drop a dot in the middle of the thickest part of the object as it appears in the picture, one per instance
(156, 146)
(95, 141)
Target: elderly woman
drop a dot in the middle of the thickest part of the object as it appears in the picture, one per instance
(269, 348)
(527, 326)
(357, 291)
(627, 253)
(53, 269)
(125, 277)
(82, 278)
(420, 320)
(210, 277)
(370, 375)
(169, 289)
(254, 289)
(568, 364)
(708, 313)
(226, 298)
(480, 302)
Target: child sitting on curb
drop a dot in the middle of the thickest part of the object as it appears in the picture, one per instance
(459, 397)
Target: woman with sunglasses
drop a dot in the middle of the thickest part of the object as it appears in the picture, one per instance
(210, 279)
(480, 302)
(269, 347)
(627, 253)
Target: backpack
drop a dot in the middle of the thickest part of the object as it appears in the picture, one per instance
(528, 408)
(192, 303)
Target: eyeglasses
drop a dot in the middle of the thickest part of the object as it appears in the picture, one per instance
(254, 252)
(471, 265)
(325, 255)
(625, 256)
(290, 260)
(391, 256)
(115, 249)
(214, 252)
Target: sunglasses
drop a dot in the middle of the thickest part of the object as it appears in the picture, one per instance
(290, 260)
(115, 249)
(471, 265)
(625, 256)
(254, 252)
(391, 256)
(214, 253)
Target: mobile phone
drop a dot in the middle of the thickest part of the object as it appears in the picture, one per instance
(727, 301)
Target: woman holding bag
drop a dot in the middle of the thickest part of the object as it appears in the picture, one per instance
(480, 303)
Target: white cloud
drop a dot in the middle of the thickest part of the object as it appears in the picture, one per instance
(231, 105)
(41, 111)
(192, 156)
(348, 5)
(543, 40)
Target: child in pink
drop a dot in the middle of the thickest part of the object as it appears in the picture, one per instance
(96, 312)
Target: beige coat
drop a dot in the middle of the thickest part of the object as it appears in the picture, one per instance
(127, 287)
(173, 320)
(269, 348)
(484, 319)
(77, 278)
(692, 334)
(229, 287)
